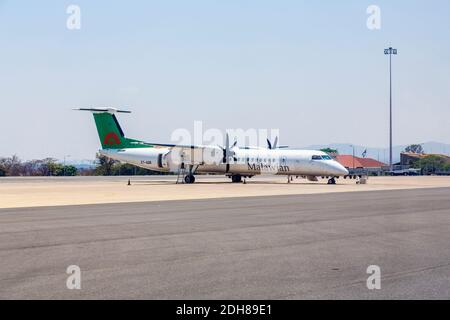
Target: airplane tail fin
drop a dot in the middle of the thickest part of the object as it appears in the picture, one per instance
(109, 131)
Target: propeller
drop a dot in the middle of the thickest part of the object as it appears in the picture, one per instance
(275, 144)
(228, 153)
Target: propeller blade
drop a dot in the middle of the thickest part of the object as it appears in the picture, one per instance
(226, 149)
(269, 144)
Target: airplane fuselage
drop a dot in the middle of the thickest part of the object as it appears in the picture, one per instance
(245, 162)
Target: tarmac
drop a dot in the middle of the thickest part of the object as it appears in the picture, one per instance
(33, 192)
(301, 246)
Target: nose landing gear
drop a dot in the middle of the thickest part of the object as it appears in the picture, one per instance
(189, 179)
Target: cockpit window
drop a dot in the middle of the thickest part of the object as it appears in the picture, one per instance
(316, 157)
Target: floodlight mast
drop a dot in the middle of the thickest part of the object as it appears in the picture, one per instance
(390, 51)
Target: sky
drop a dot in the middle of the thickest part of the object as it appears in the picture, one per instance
(311, 69)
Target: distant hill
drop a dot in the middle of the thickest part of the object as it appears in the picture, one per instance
(382, 154)
(80, 164)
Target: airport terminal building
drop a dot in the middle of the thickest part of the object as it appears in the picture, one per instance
(369, 165)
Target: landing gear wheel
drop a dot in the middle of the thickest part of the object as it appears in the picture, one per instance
(236, 178)
(189, 179)
(332, 181)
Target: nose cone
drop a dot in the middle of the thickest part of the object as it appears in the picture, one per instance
(338, 169)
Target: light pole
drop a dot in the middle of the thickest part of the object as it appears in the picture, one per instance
(390, 51)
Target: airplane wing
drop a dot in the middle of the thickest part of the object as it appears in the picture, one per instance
(197, 155)
(190, 154)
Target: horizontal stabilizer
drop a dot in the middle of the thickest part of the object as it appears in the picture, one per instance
(109, 110)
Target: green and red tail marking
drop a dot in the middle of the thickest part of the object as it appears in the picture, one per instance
(111, 134)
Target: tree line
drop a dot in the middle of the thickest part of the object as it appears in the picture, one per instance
(14, 166)
(432, 164)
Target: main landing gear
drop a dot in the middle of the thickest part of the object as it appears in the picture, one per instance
(189, 179)
(236, 178)
(332, 181)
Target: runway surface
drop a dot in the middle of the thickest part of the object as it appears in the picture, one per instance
(281, 247)
(21, 192)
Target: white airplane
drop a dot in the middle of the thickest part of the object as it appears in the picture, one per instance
(230, 160)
